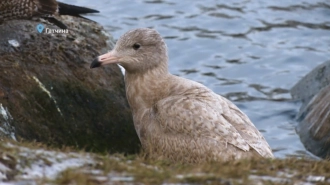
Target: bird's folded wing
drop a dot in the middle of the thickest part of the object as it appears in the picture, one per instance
(46, 7)
(246, 129)
(198, 116)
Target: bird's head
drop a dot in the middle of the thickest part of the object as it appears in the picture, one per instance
(138, 51)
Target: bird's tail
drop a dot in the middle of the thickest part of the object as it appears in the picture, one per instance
(49, 7)
(67, 9)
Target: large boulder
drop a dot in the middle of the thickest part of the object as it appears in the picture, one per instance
(311, 84)
(48, 93)
(314, 115)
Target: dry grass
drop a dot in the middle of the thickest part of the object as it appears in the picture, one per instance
(140, 169)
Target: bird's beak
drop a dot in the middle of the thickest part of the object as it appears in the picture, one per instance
(108, 58)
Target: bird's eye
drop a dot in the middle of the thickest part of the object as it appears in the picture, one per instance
(136, 46)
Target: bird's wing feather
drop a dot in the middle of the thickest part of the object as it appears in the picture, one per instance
(198, 113)
(247, 130)
(46, 7)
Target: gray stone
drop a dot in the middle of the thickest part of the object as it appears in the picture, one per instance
(48, 93)
(314, 115)
(314, 125)
(311, 84)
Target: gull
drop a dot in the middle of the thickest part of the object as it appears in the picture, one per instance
(175, 118)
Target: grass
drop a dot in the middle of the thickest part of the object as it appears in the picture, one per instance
(139, 169)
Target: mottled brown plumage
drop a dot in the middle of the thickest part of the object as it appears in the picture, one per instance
(176, 118)
(47, 9)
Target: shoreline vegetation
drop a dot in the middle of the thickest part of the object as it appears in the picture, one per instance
(35, 162)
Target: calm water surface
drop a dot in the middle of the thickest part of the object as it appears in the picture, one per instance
(250, 51)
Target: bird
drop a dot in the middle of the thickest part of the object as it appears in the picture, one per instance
(178, 119)
(46, 9)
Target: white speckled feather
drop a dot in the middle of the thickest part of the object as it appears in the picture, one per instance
(196, 111)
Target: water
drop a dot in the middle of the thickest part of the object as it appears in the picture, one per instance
(250, 51)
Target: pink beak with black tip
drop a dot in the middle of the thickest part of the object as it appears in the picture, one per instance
(108, 58)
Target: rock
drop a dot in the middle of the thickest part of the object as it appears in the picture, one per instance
(48, 93)
(311, 84)
(314, 115)
(314, 126)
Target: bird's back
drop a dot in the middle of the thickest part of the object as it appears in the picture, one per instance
(195, 119)
(47, 9)
(26, 9)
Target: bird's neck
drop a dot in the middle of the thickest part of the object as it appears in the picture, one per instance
(144, 89)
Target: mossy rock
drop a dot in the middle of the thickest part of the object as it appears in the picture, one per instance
(48, 93)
